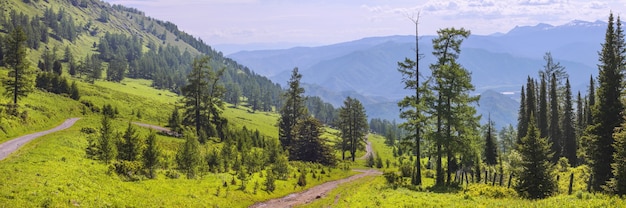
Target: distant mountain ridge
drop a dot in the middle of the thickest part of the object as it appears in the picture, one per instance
(367, 67)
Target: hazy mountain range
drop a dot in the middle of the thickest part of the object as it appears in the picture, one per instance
(367, 68)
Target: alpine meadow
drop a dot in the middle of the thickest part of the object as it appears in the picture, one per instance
(102, 105)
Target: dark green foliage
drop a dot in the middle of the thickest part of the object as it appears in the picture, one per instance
(308, 145)
(302, 179)
(129, 147)
(270, 180)
(554, 135)
(188, 156)
(292, 112)
(352, 123)
(455, 115)
(20, 77)
(57, 68)
(151, 155)
(325, 112)
(174, 122)
(607, 110)
(106, 141)
(202, 101)
(117, 69)
(570, 145)
(617, 184)
(52, 82)
(74, 91)
(379, 162)
(535, 179)
(542, 119)
(109, 111)
(522, 120)
(491, 150)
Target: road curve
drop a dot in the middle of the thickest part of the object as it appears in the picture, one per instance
(11, 146)
(312, 193)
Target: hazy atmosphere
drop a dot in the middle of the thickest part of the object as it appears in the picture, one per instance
(221, 22)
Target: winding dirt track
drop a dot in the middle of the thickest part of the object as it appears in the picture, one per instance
(319, 191)
(155, 127)
(11, 146)
(312, 193)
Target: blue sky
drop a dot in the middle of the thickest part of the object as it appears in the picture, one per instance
(317, 22)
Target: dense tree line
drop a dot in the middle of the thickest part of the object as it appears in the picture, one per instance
(592, 135)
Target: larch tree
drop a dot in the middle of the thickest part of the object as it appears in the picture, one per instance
(452, 84)
(607, 110)
(352, 123)
(413, 106)
(20, 80)
(292, 111)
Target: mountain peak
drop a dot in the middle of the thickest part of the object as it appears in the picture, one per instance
(582, 23)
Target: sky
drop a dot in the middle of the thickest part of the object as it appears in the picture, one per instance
(322, 22)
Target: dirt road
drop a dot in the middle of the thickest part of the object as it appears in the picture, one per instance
(9, 147)
(155, 127)
(368, 148)
(312, 193)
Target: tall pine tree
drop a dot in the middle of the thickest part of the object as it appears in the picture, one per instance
(607, 110)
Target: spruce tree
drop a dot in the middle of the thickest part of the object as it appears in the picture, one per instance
(607, 109)
(292, 111)
(491, 150)
(188, 156)
(542, 120)
(106, 141)
(535, 179)
(522, 120)
(151, 155)
(570, 144)
(617, 184)
(554, 135)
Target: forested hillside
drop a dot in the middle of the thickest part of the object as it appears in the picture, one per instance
(94, 40)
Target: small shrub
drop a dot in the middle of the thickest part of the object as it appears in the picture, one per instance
(302, 180)
(379, 162)
(172, 174)
(563, 164)
(370, 161)
(88, 130)
(393, 179)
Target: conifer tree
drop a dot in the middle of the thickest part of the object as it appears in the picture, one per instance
(491, 150)
(292, 111)
(352, 122)
(129, 148)
(542, 120)
(151, 155)
(522, 120)
(617, 184)
(607, 109)
(308, 145)
(21, 78)
(106, 141)
(554, 135)
(570, 145)
(535, 179)
(188, 156)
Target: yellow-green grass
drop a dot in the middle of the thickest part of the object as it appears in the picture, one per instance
(373, 192)
(53, 170)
